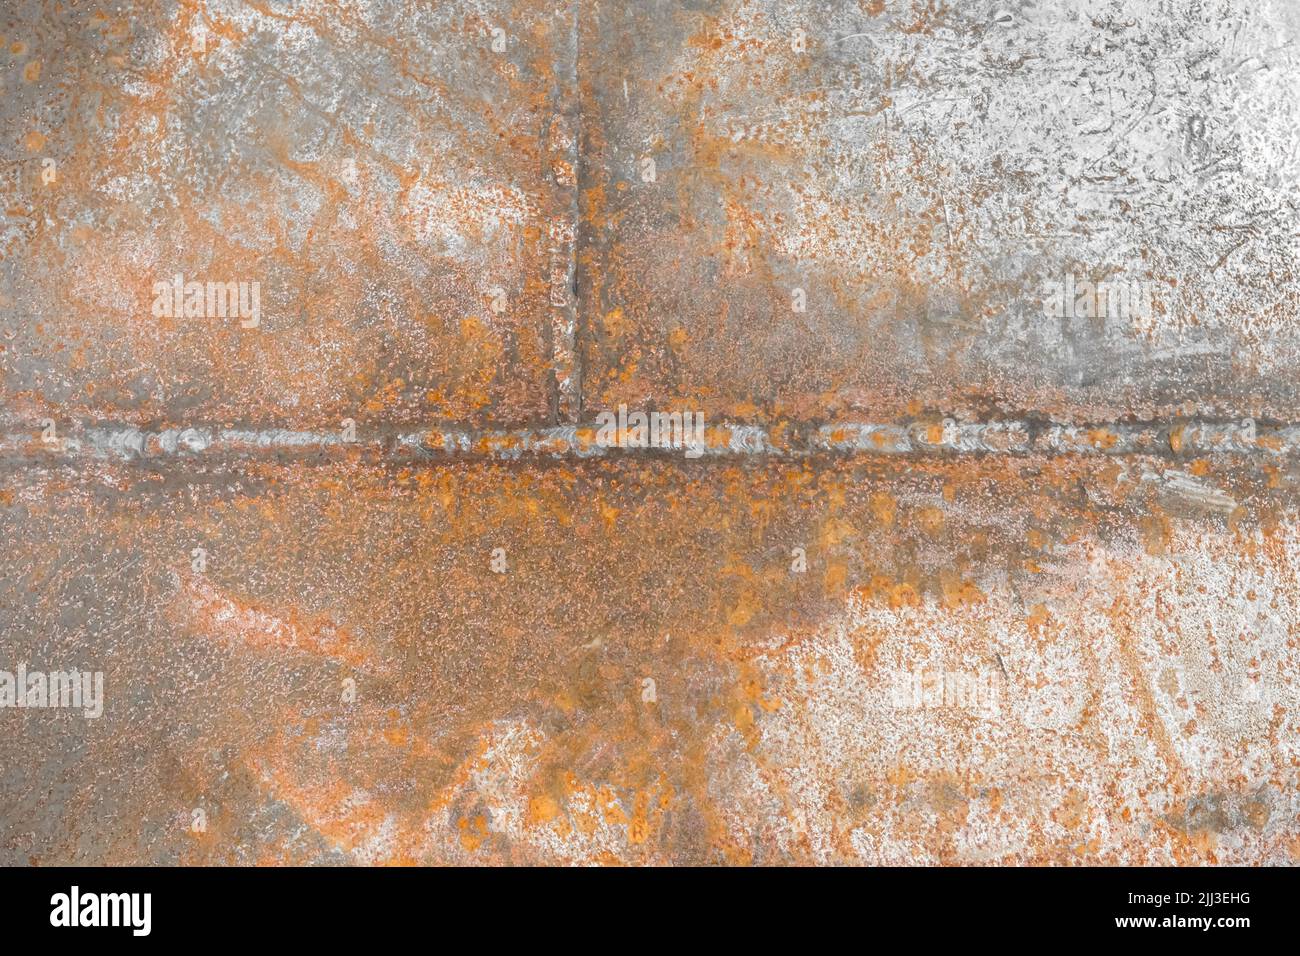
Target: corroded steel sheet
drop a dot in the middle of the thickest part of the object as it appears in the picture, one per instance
(1051, 660)
(400, 192)
(855, 207)
(560, 431)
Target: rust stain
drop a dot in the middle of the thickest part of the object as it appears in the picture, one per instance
(985, 549)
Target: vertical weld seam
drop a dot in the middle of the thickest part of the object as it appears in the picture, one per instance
(565, 360)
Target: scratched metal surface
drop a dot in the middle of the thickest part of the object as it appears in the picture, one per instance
(919, 171)
(951, 580)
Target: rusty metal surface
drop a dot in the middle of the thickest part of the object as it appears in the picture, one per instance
(947, 575)
(377, 168)
(920, 170)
